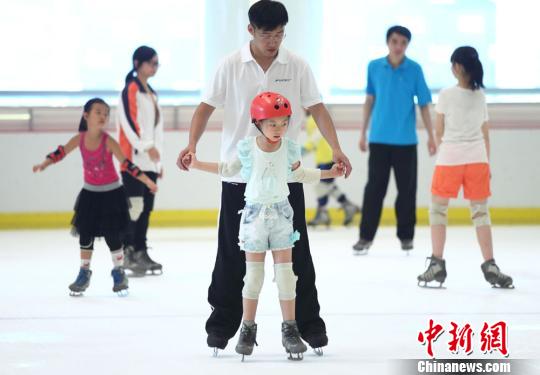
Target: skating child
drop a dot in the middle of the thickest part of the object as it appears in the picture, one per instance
(325, 188)
(266, 162)
(463, 160)
(102, 208)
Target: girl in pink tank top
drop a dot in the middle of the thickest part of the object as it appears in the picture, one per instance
(102, 207)
(98, 164)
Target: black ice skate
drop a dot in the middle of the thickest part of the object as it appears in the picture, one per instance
(81, 283)
(316, 341)
(216, 342)
(362, 247)
(407, 245)
(436, 271)
(152, 266)
(290, 338)
(246, 340)
(133, 262)
(120, 280)
(350, 209)
(321, 218)
(495, 277)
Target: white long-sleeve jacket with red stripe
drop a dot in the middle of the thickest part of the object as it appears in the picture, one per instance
(140, 125)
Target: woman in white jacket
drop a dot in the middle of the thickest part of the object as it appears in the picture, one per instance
(140, 126)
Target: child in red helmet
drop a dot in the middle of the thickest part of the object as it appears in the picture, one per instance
(267, 162)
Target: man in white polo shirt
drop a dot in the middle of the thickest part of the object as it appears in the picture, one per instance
(261, 65)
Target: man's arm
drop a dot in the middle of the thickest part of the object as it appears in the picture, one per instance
(368, 107)
(198, 126)
(426, 117)
(326, 126)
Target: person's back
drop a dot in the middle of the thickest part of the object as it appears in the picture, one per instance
(464, 112)
(463, 133)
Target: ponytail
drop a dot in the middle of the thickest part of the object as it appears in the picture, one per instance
(468, 58)
(130, 75)
(83, 124)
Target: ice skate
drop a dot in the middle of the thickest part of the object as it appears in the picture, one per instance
(246, 340)
(216, 342)
(321, 218)
(81, 283)
(407, 245)
(293, 344)
(495, 277)
(316, 341)
(350, 209)
(154, 267)
(436, 271)
(362, 247)
(120, 280)
(133, 261)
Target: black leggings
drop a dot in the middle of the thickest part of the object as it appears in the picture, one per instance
(113, 242)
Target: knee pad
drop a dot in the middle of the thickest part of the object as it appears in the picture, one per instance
(480, 214)
(86, 243)
(322, 189)
(253, 281)
(285, 280)
(136, 209)
(438, 214)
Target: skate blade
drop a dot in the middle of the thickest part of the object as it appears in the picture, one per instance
(295, 356)
(122, 293)
(495, 286)
(215, 352)
(428, 286)
(360, 252)
(318, 352)
(136, 273)
(156, 272)
(76, 294)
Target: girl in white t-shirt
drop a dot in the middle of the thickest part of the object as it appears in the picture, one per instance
(266, 163)
(463, 160)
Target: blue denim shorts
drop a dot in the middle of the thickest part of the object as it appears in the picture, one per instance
(266, 227)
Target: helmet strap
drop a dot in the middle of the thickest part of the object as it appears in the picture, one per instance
(267, 139)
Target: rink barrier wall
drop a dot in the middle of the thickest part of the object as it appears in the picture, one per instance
(209, 218)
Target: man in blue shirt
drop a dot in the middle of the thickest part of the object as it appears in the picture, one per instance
(393, 82)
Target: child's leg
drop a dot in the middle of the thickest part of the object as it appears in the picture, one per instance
(253, 282)
(286, 282)
(114, 243)
(482, 222)
(438, 219)
(87, 248)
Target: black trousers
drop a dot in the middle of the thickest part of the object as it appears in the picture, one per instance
(225, 291)
(136, 234)
(383, 158)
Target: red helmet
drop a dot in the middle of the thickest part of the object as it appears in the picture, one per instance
(268, 105)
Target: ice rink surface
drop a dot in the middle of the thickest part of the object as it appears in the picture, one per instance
(372, 305)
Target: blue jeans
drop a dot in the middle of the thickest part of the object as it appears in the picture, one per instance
(266, 227)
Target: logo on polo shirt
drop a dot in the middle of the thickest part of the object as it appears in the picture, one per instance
(282, 80)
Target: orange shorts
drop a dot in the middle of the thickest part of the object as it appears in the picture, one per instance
(447, 181)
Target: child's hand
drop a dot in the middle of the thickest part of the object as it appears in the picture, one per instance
(338, 170)
(39, 167)
(190, 160)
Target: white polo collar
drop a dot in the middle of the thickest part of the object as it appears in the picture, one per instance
(282, 57)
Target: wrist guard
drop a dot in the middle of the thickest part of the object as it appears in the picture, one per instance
(131, 168)
(57, 155)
